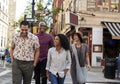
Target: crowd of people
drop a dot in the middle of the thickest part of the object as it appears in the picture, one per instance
(48, 57)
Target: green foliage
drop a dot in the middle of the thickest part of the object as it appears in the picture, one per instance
(20, 20)
(47, 18)
(40, 6)
(14, 24)
(56, 11)
(28, 8)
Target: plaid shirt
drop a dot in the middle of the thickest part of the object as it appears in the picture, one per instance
(25, 48)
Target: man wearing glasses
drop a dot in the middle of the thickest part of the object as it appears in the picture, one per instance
(24, 54)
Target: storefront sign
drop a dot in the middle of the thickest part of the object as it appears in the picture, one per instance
(71, 18)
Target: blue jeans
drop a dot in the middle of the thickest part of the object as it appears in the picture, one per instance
(56, 80)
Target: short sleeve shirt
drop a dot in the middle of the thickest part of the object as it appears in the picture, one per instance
(25, 48)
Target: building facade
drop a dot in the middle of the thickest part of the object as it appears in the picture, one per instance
(98, 22)
(3, 23)
(12, 21)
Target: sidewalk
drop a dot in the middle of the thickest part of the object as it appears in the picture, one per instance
(4, 66)
(95, 75)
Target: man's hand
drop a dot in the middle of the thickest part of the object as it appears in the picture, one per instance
(34, 64)
(47, 75)
(36, 57)
(12, 59)
(11, 53)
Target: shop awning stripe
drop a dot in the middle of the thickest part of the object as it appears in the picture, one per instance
(109, 28)
(113, 27)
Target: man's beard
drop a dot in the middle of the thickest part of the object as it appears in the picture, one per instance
(24, 33)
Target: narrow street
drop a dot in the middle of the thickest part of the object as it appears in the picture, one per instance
(24, 24)
(95, 76)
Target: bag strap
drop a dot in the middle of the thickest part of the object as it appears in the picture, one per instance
(67, 55)
(75, 53)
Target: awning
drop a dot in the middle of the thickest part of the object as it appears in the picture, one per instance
(114, 28)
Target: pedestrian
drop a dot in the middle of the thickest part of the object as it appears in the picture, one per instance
(80, 58)
(59, 60)
(24, 54)
(45, 41)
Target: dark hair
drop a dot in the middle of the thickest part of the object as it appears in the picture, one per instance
(25, 23)
(79, 36)
(64, 41)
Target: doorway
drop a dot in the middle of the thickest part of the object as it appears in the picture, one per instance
(87, 38)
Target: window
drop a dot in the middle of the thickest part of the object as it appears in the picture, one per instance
(4, 1)
(91, 5)
(108, 5)
(3, 8)
(103, 5)
(6, 11)
(1, 40)
(3, 18)
(77, 5)
(114, 5)
(0, 5)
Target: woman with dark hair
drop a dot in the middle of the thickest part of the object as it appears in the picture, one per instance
(59, 60)
(80, 58)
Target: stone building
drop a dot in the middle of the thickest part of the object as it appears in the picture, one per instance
(3, 22)
(97, 20)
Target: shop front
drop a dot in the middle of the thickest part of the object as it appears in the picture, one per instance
(111, 39)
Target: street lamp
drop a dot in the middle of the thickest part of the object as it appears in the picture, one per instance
(25, 15)
(33, 11)
(33, 14)
(30, 19)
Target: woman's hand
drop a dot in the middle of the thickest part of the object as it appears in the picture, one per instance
(88, 67)
(65, 71)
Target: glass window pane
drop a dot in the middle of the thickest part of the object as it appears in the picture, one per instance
(114, 5)
(103, 5)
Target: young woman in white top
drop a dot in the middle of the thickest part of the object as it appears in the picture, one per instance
(59, 60)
